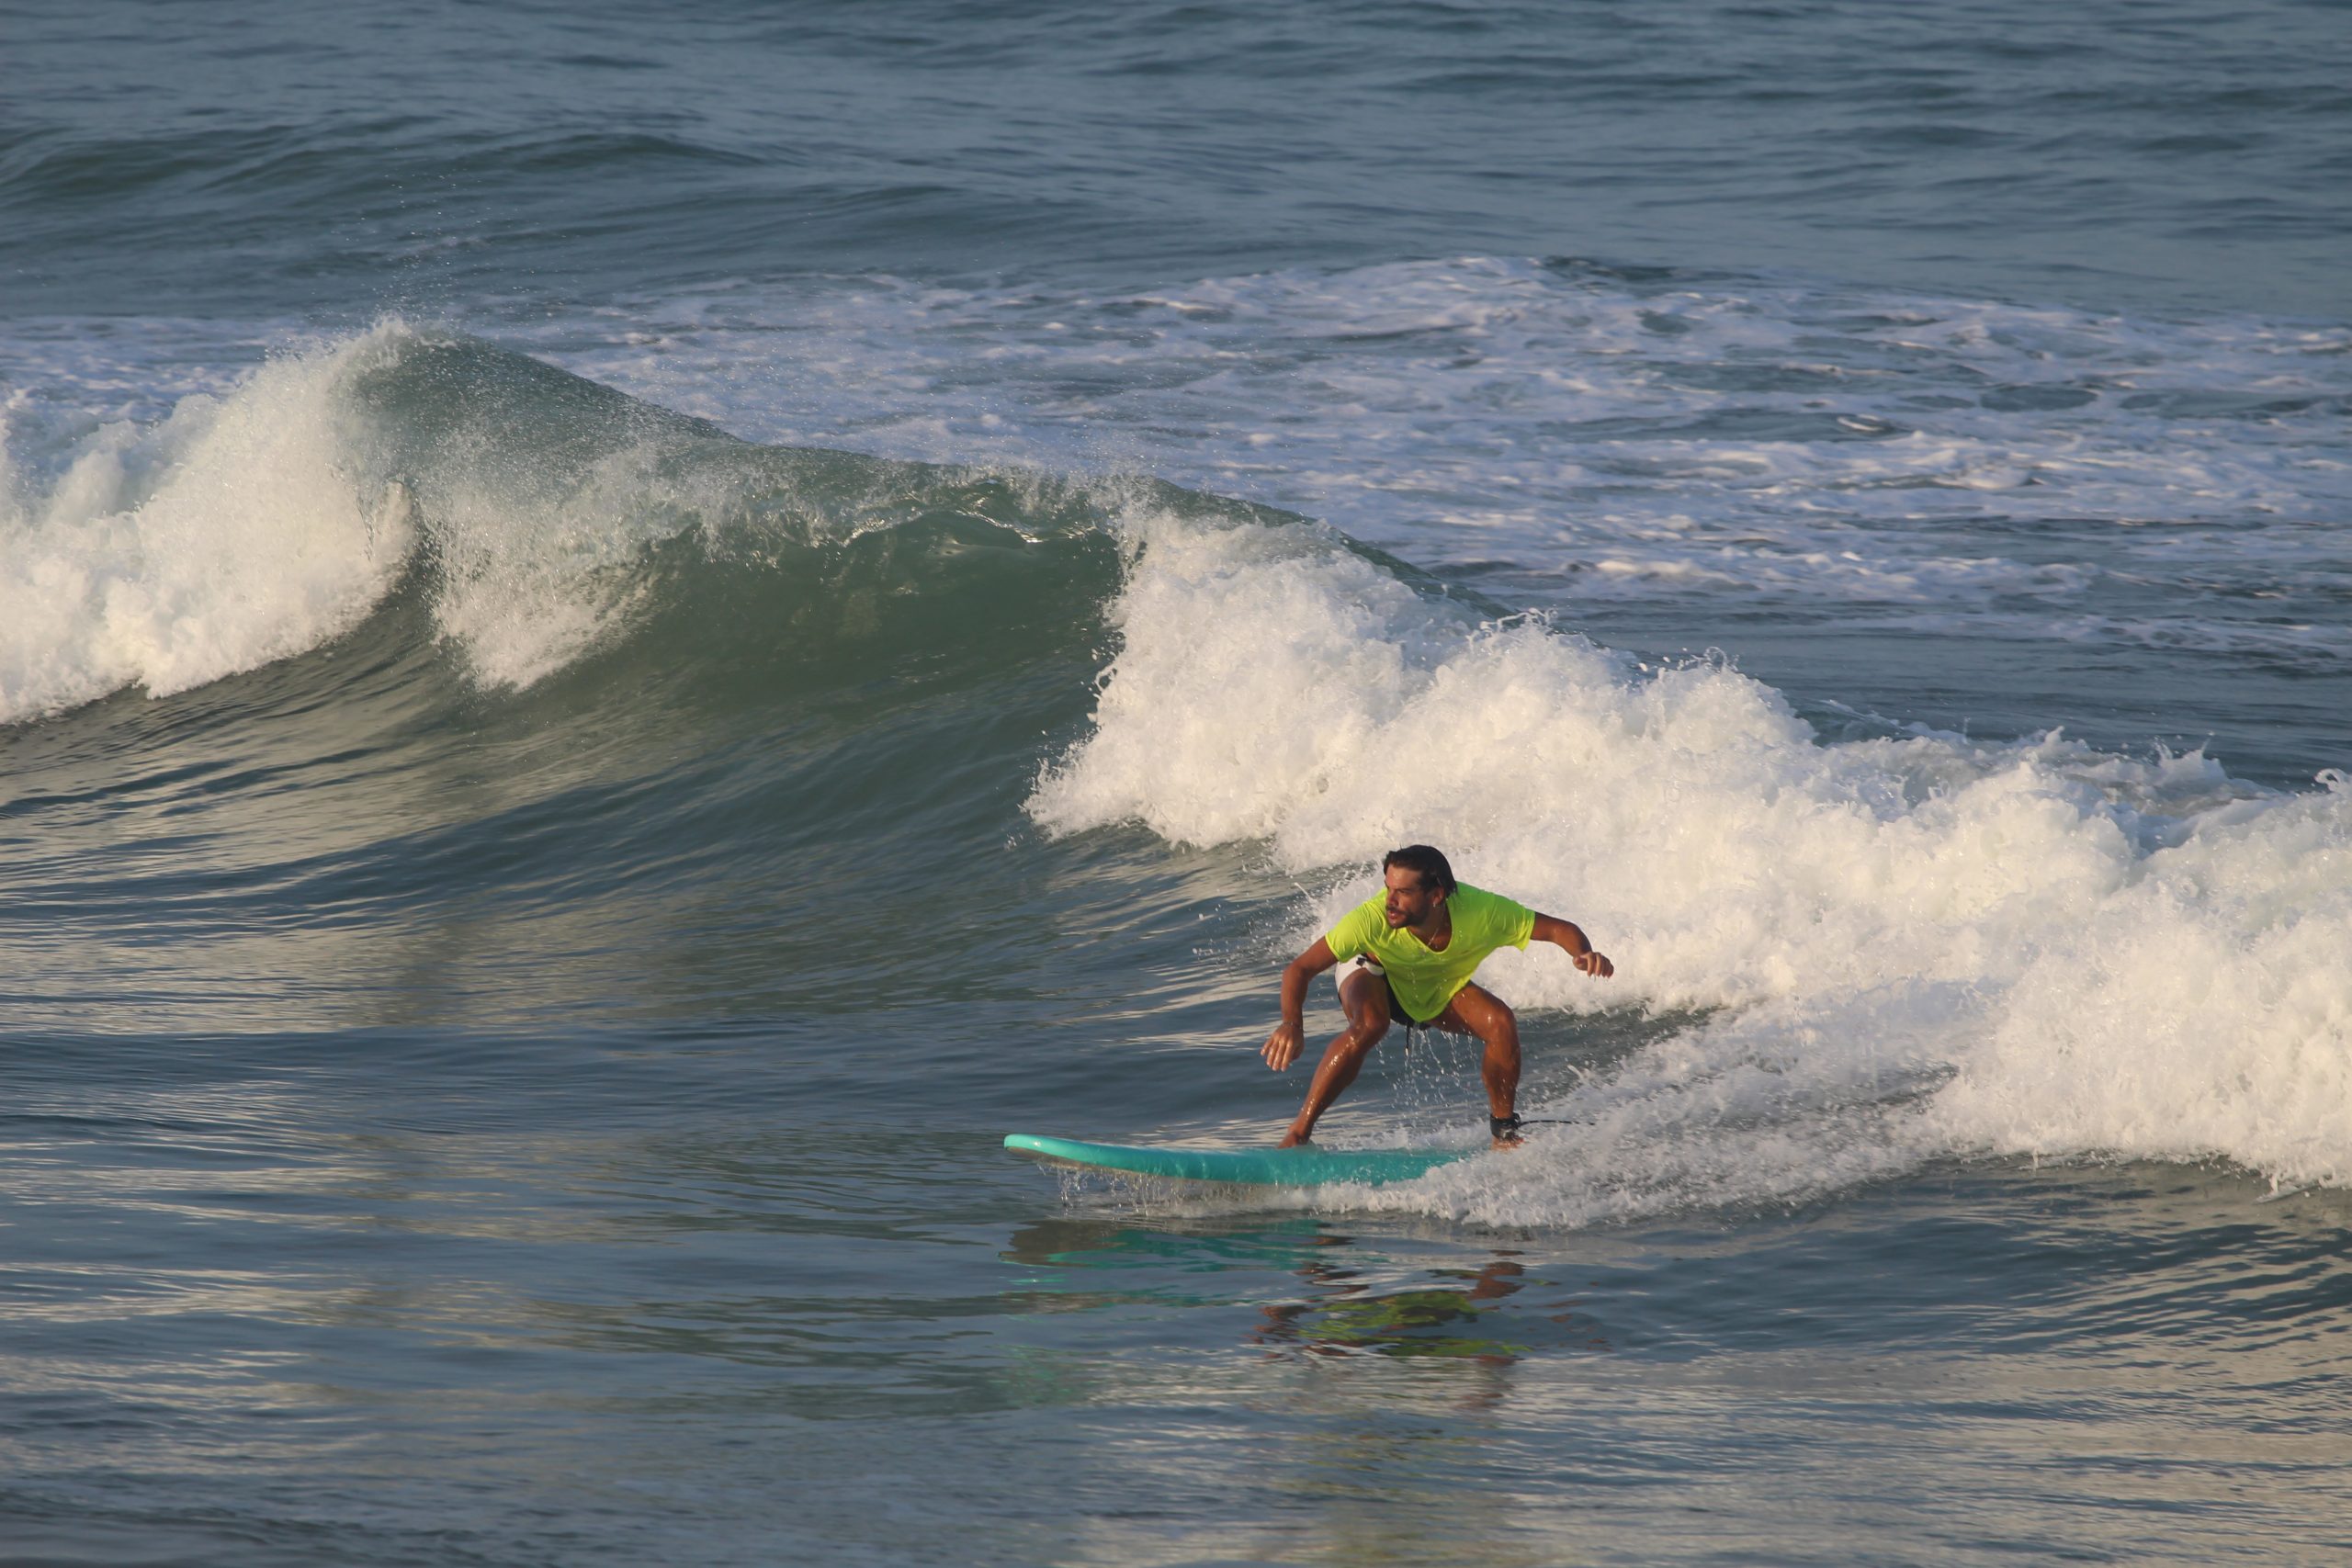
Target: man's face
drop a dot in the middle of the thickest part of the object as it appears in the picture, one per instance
(1408, 903)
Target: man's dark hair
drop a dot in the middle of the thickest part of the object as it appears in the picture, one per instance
(1424, 861)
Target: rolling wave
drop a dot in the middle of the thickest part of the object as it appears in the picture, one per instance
(537, 517)
(411, 655)
(443, 645)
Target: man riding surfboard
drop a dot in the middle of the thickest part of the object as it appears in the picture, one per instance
(1416, 946)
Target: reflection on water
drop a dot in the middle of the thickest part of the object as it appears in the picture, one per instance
(1997, 1366)
(1343, 1318)
(1344, 1298)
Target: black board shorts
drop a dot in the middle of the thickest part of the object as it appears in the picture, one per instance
(1396, 1013)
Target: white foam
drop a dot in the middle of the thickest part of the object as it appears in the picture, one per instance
(2064, 951)
(228, 534)
(164, 547)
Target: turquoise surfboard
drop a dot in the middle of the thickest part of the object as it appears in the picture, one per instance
(1308, 1167)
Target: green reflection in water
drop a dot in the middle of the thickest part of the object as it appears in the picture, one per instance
(1432, 1321)
(1311, 1290)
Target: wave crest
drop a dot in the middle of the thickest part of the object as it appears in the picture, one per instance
(230, 534)
(542, 516)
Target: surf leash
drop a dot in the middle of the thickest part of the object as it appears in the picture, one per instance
(1497, 1125)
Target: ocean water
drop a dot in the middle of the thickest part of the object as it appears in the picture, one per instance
(627, 634)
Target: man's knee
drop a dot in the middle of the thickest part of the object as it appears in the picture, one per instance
(1488, 1017)
(1367, 1009)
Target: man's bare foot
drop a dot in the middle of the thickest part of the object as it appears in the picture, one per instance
(1292, 1139)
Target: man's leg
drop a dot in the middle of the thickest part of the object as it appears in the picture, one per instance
(1365, 998)
(1476, 1010)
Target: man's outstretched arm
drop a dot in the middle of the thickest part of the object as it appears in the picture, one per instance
(1282, 1047)
(1569, 938)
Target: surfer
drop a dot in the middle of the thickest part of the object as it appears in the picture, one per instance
(1416, 946)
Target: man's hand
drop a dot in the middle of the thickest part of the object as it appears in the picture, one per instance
(1569, 938)
(1282, 1047)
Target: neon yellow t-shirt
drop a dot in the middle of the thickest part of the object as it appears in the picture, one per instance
(1425, 981)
